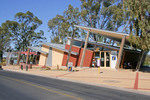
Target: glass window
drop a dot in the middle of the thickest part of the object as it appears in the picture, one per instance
(77, 43)
(102, 59)
(83, 45)
(88, 46)
(97, 55)
(107, 59)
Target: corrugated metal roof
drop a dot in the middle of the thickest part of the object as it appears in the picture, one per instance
(58, 46)
(61, 46)
(98, 43)
(109, 34)
(39, 49)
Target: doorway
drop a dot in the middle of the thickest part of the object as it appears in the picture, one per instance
(105, 59)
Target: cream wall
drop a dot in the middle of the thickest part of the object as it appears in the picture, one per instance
(45, 48)
(42, 60)
(43, 57)
(57, 57)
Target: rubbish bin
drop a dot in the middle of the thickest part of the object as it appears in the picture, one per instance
(21, 67)
(26, 67)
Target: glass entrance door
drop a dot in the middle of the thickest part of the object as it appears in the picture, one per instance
(105, 58)
(102, 59)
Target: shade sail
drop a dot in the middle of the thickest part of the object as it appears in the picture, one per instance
(30, 53)
(108, 34)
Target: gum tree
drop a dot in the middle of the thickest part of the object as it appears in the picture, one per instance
(4, 40)
(23, 30)
(138, 12)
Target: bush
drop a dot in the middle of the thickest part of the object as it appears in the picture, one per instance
(3, 63)
(45, 68)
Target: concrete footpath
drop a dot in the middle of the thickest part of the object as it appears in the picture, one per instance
(108, 77)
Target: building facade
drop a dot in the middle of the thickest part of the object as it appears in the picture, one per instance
(85, 53)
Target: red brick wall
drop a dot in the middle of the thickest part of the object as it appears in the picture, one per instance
(73, 58)
(74, 48)
(88, 58)
(76, 59)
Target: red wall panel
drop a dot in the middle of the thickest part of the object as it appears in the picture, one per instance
(73, 58)
(77, 59)
(74, 48)
(87, 59)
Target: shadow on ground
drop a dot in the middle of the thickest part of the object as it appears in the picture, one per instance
(145, 69)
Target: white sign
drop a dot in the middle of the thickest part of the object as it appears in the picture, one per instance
(113, 59)
(70, 64)
(98, 62)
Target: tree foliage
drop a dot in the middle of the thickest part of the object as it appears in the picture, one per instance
(130, 16)
(102, 14)
(138, 12)
(58, 28)
(72, 17)
(4, 40)
(62, 26)
(23, 30)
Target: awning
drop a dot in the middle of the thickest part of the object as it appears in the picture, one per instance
(108, 34)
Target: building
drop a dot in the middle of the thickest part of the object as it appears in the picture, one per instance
(85, 53)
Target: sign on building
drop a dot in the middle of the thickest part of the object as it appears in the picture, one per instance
(70, 66)
(113, 57)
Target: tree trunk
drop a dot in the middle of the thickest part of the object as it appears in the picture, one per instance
(18, 59)
(33, 59)
(140, 60)
(24, 58)
(1, 56)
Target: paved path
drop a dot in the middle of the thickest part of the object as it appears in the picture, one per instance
(17, 86)
(108, 77)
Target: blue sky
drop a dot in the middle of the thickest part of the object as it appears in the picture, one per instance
(43, 9)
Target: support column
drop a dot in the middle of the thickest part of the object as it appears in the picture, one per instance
(69, 53)
(123, 59)
(120, 52)
(33, 58)
(45, 60)
(84, 50)
(36, 59)
(27, 56)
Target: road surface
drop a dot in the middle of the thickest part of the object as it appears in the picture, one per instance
(18, 86)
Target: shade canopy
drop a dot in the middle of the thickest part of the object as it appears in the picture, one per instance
(108, 34)
(30, 53)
